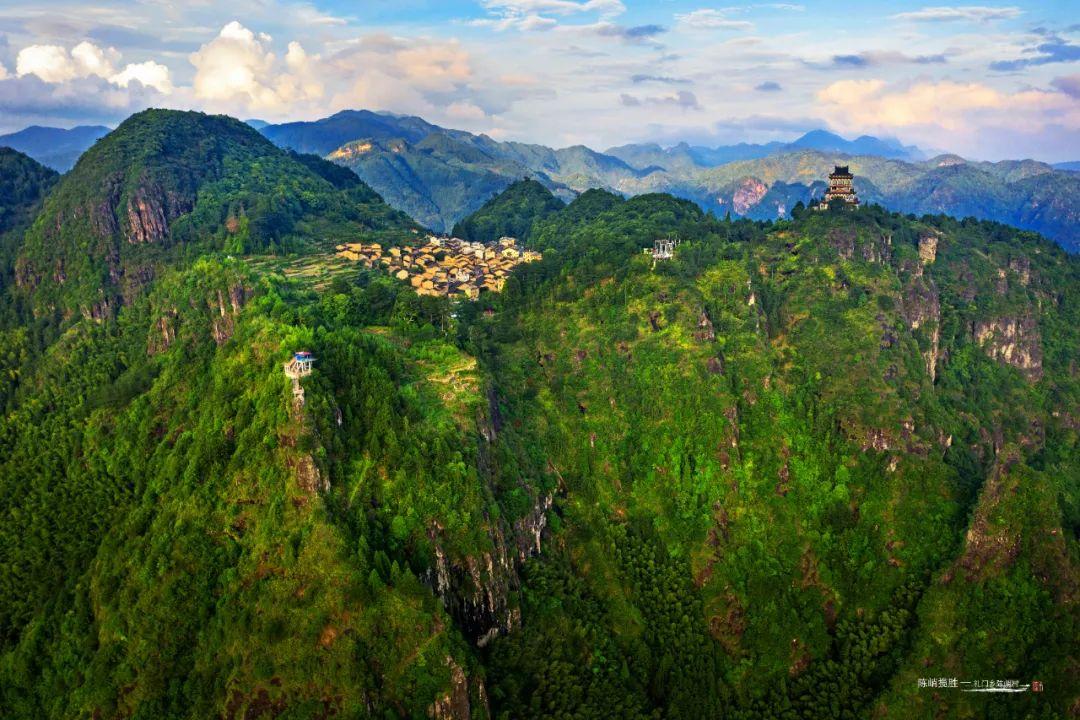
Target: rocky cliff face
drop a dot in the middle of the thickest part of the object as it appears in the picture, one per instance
(748, 193)
(478, 590)
(151, 209)
(224, 322)
(922, 310)
(1014, 341)
(464, 700)
(928, 245)
(848, 246)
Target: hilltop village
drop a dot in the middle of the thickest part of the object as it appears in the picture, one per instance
(445, 266)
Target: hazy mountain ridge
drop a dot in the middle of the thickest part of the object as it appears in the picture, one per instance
(439, 175)
(56, 148)
(684, 157)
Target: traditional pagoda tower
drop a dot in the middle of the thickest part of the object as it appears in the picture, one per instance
(840, 187)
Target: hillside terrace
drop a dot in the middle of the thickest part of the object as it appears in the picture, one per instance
(445, 266)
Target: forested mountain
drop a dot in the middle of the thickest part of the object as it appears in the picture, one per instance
(56, 148)
(1027, 194)
(439, 176)
(168, 184)
(24, 183)
(512, 213)
(785, 474)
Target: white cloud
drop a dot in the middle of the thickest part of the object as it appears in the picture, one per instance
(710, 19)
(51, 63)
(149, 73)
(415, 75)
(236, 69)
(90, 59)
(54, 64)
(964, 117)
(465, 111)
(971, 13)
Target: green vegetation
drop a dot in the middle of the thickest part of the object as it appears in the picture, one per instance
(439, 176)
(168, 185)
(510, 213)
(23, 185)
(785, 474)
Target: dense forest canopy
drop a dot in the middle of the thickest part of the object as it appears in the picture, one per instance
(787, 473)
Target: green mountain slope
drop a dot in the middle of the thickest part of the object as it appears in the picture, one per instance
(436, 180)
(1029, 195)
(23, 184)
(167, 184)
(782, 475)
(782, 436)
(439, 175)
(510, 213)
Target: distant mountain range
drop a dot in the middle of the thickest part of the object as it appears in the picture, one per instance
(683, 155)
(439, 175)
(54, 147)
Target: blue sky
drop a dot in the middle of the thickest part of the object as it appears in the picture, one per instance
(984, 80)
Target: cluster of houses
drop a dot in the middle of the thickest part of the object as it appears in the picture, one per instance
(445, 266)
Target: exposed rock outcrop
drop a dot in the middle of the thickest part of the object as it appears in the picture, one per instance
(464, 700)
(163, 334)
(1014, 341)
(846, 241)
(928, 245)
(149, 212)
(921, 308)
(747, 194)
(705, 330)
(478, 589)
(1021, 265)
(223, 325)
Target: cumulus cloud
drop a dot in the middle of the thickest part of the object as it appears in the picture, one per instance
(710, 19)
(433, 78)
(970, 13)
(149, 73)
(29, 99)
(237, 67)
(55, 64)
